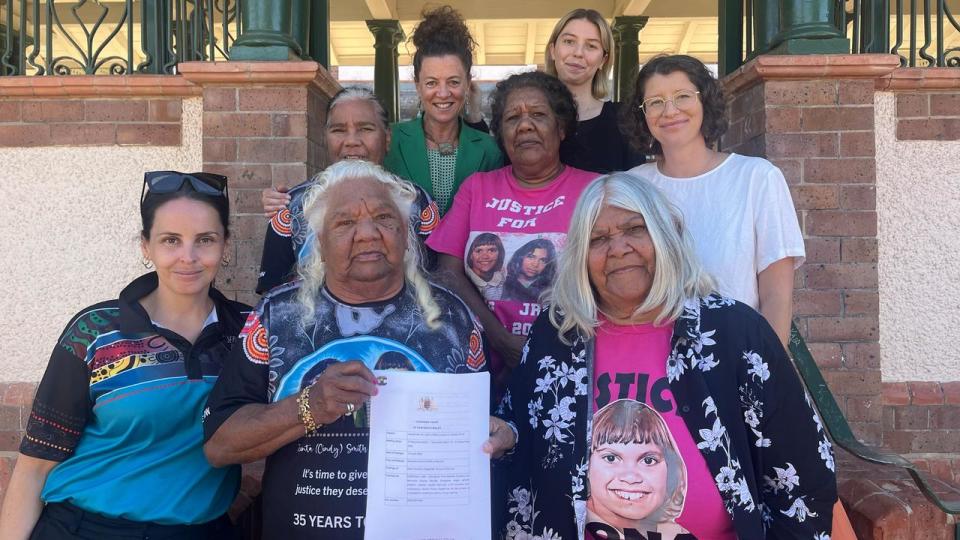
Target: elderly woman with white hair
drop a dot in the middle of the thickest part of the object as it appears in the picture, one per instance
(635, 339)
(356, 129)
(296, 387)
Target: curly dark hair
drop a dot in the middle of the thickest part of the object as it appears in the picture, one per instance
(634, 124)
(558, 96)
(441, 32)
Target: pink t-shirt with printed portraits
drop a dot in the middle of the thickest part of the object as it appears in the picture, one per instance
(509, 238)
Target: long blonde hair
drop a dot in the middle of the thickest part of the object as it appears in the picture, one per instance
(403, 195)
(601, 79)
(678, 274)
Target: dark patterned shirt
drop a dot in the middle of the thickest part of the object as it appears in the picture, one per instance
(737, 393)
(315, 487)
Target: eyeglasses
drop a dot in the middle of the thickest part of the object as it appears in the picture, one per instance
(683, 100)
(211, 184)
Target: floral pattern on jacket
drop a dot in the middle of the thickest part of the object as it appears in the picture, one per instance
(738, 395)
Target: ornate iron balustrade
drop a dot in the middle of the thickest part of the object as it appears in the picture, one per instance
(918, 26)
(926, 33)
(49, 37)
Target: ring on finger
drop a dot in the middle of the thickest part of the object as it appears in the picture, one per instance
(350, 408)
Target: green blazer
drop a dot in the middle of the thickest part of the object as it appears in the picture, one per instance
(407, 157)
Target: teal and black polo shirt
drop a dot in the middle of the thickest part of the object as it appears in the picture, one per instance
(120, 407)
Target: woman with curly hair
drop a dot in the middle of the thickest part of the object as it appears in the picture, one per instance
(737, 208)
(437, 150)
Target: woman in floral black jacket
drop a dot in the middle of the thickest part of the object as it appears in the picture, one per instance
(755, 445)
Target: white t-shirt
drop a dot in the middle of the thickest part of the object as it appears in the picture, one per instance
(741, 219)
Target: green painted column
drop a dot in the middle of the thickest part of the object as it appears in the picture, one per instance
(267, 32)
(626, 59)
(387, 34)
(809, 27)
(875, 31)
(318, 46)
(766, 24)
(730, 36)
(300, 24)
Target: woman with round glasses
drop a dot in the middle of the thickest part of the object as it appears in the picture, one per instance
(737, 208)
(113, 447)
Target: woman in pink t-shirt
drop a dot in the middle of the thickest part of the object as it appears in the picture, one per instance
(517, 213)
(648, 406)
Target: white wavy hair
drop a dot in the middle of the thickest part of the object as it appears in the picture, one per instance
(403, 195)
(678, 274)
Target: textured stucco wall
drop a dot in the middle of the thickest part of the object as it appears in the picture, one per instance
(69, 234)
(918, 207)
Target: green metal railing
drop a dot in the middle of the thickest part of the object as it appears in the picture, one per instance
(839, 430)
(918, 26)
(49, 37)
(923, 33)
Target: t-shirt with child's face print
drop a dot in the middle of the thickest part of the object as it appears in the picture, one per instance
(646, 477)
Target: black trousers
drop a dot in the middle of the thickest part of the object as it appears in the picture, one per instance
(63, 521)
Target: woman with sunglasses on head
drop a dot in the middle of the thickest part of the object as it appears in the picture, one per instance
(113, 447)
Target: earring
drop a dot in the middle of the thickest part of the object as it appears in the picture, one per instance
(147, 263)
(225, 261)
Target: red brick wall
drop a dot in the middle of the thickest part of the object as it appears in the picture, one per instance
(262, 127)
(16, 399)
(90, 121)
(814, 118)
(883, 503)
(257, 137)
(928, 116)
(821, 135)
(922, 418)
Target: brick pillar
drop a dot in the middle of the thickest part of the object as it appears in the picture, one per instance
(262, 126)
(813, 116)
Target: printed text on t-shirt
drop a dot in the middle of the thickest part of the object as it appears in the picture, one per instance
(516, 207)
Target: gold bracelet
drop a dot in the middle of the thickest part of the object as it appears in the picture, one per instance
(303, 412)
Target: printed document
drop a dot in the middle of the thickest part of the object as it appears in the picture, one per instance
(428, 477)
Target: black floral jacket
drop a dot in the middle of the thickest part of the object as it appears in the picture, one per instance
(737, 393)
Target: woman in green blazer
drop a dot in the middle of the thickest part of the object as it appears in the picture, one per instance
(437, 150)
(408, 158)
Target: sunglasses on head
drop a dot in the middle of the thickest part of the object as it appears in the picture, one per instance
(159, 182)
